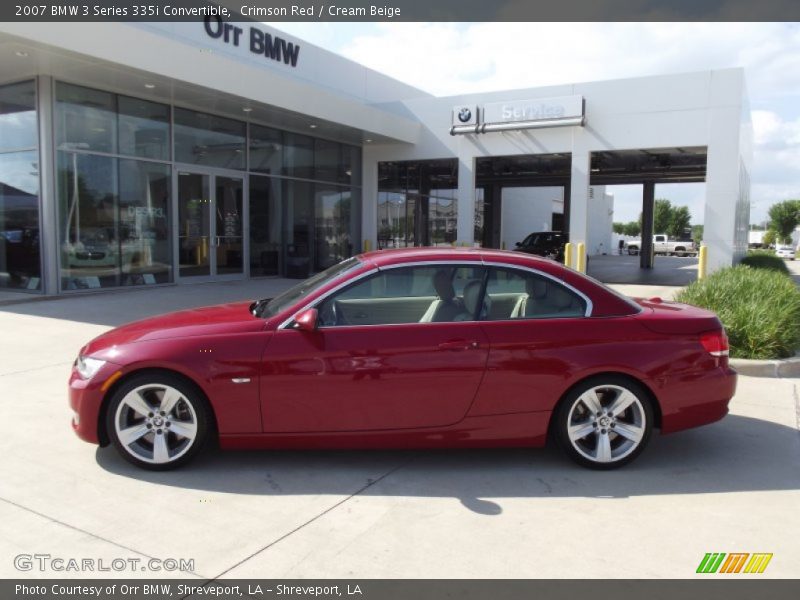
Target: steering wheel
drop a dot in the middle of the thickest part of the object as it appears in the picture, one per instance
(338, 315)
(331, 314)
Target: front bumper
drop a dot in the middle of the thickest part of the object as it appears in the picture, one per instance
(86, 400)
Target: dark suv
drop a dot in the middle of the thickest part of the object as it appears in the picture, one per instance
(549, 244)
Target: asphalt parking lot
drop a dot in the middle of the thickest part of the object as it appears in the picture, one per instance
(729, 487)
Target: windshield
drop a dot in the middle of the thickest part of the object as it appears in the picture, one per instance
(270, 307)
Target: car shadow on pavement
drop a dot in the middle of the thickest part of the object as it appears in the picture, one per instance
(737, 454)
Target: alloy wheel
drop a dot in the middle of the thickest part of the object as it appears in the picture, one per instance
(606, 424)
(156, 423)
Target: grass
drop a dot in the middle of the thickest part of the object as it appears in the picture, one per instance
(759, 307)
(765, 260)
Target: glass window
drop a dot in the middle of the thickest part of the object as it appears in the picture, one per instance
(266, 150)
(516, 294)
(143, 128)
(442, 219)
(423, 294)
(327, 160)
(204, 139)
(332, 222)
(298, 156)
(18, 116)
(144, 223)
(395, 220)
(429, 189)
(85, 119)
(19, 221)
(350, 167)
(298, 201)
(265, 225)
(90, 244)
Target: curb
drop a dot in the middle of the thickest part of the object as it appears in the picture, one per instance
(787, 367)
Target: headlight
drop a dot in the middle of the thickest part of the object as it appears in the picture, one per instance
(87, 366)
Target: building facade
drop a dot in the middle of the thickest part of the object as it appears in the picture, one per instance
(145, 154)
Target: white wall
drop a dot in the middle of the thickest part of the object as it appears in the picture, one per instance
(528, 209)
(601, 220)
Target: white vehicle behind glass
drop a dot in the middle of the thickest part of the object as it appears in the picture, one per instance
(663, 245)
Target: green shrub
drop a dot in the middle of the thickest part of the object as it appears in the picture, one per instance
(760, 309)
(762, 260)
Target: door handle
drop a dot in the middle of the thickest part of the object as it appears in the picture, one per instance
(459, 345)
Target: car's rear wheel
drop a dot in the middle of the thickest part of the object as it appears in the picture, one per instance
(605, 422)
(158, 421)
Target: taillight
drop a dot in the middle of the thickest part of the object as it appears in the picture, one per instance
(715, 342)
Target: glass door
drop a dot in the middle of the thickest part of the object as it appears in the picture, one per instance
(229, 241)
(210, 226)
(194, 225)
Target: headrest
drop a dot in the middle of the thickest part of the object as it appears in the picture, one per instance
(443, 285)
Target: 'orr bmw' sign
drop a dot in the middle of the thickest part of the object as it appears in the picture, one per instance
(259, 42)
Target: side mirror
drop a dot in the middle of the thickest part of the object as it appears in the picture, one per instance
(519, 244)
(307, 320)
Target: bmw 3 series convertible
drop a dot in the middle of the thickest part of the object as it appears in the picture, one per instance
(411, 348)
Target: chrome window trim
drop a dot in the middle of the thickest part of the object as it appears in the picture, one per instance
(459, 263)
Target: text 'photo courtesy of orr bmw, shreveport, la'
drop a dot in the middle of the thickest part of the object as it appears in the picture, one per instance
(409, 348)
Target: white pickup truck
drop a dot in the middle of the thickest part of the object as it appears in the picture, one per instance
(663, 245)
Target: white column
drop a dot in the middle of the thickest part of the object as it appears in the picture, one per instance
(466, 200)
(722, 188)
(579, 198)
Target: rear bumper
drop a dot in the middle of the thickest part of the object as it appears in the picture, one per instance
(697, 401)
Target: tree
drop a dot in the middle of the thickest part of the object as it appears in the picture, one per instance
(697, 233)
(679, 221)
(672, 220)
(662, 216)
(633, 228)
(618, 228)
(784, 217)
(769, 238)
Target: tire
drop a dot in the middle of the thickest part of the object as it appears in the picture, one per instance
(680, 252)
(633, 251)
(153, 439)
(583, 422)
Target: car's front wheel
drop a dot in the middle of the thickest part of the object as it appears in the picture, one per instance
(605, 422)
(157, 421)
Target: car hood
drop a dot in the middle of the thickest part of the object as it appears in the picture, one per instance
(207, 320)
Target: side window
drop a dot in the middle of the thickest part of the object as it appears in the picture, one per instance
(423, 294)
(517, 294)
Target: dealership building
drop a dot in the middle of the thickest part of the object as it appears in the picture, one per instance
(158, 153)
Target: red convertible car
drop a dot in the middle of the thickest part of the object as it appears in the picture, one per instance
(412, 348)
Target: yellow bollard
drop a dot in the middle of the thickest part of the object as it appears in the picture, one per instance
(568, 254)
(367, 245)
(581, 258)
(702, 263)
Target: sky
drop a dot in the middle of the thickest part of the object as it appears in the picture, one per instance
(453, 58)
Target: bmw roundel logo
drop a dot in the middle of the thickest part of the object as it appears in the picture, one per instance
(464, 115)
